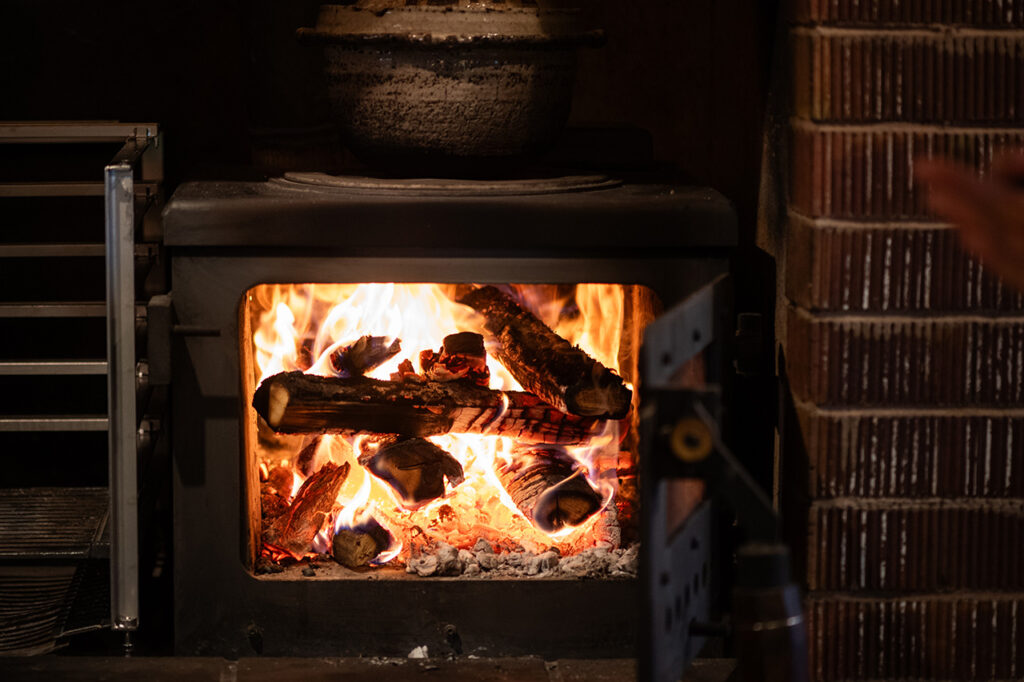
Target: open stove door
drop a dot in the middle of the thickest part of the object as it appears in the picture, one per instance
(683, 461)
(678, 365)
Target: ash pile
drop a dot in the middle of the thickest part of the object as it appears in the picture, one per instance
(484, 561)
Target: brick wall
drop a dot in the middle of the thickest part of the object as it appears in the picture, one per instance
(902, 470)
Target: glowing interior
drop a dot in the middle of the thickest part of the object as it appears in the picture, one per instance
(298, 326)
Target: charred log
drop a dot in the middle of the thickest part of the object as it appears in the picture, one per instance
(362, 355)
(549, 487)
(293, 531)
(356, 547)
(406, 372)
(305, 460)
(272, 506)
(462, 357)
(546, 364)
(415, 468)
(293, 402)
(280, 481)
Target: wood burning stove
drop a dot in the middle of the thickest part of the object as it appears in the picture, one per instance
(241, 249)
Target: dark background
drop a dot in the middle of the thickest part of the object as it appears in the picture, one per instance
(692, 72)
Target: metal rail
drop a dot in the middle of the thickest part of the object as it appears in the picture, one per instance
(37, 423)
(58, 189)
(120, 240)
(85, 250)
(52, 367)
(60, 309)
(64, 132)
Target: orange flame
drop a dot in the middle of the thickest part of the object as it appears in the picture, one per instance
(310, 321)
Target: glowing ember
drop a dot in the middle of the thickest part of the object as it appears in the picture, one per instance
(398, 332)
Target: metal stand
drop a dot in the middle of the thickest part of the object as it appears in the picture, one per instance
(105, 522)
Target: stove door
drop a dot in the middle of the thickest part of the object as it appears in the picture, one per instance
(681, 366)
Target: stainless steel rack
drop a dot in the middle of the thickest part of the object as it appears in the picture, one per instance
(73, 526)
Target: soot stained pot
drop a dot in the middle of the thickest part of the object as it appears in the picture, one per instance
(449, 87)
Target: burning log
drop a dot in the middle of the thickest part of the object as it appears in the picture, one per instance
(415, 468)
(406, 372)
(293, 402)
(549, 487)
(272, 506)
(304, 461)
(545, 363)
(279, 481)
(461, 357)
(295, 529)
(355, 547)
(362, 355)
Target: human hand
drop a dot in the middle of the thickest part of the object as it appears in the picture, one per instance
(989, 213)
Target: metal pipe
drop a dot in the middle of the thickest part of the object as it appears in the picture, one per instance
(120, 254)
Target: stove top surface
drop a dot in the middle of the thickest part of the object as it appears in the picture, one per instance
(553, 212)
(445, 187)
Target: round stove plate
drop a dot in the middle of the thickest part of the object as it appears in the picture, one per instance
(445, 187)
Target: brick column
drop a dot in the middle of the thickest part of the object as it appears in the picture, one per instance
(902, 468)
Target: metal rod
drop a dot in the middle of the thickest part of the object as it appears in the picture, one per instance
(36, 132)
(66, 250)
(120, 241)
(62, 189)
(52, 367)
(56, 309)
(61, 423)
(51, 189)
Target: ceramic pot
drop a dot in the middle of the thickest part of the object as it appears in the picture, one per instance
(462, 88)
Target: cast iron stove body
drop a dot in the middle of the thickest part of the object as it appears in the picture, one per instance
(230, 236)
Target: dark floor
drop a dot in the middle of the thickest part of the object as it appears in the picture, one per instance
(99, 669)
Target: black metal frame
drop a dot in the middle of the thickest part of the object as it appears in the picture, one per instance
(223, 609)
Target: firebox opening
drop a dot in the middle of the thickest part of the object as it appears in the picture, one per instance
(419, 430)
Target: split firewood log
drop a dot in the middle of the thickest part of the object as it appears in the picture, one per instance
(293, 402)
(294, 530)
(362, 355)
(546, 364)
(549, 487)
(462, 356)
(415, 468)
(356, 547)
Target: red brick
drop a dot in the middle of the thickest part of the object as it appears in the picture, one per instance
(835, 360)
(922, 76)
(893, 545)
(846, 266)
(963, 637)
(858, 453)
(867, 172)
(980, 13)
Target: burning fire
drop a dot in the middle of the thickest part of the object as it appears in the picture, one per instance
(301, 327)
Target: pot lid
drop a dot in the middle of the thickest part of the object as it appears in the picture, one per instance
(451, 21)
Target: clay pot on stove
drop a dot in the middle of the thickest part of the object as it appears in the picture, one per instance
(449, 87)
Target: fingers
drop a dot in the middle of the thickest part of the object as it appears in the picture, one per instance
(989, 214)
(955, 195)
(961, 202)
(1009, 168)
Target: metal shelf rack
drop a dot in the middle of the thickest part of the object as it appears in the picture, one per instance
(66, 531)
